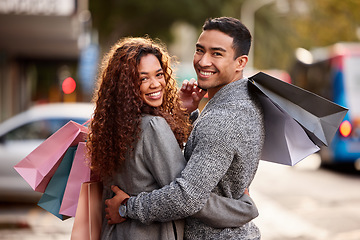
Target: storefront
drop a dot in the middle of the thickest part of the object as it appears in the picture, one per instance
(41, 42)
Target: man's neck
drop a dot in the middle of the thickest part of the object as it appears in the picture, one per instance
(213, 91)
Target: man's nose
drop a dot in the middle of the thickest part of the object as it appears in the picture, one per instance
(205, 60)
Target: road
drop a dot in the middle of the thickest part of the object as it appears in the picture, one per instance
(295, 203)
(306, 202)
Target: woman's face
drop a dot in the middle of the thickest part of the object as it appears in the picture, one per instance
(152, 80)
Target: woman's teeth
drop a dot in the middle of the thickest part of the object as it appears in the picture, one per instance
(154, 94)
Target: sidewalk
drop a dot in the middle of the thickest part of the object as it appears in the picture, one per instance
(35, 224)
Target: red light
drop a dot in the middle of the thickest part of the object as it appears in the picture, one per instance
(345, 128)
(68, 85)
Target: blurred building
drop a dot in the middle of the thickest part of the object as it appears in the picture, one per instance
(41, 42)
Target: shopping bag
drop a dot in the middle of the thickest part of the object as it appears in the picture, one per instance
(318, 118)
(79, 173)
(38, 167)
(286, 142)
(88, 217)
(52, 198)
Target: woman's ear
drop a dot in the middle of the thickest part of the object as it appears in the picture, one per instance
(241, 62)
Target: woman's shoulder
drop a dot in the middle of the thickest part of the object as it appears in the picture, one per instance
(156, 122)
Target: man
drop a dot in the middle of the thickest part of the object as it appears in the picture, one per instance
(225, 145)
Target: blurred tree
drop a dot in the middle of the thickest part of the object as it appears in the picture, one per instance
(280, 27)
(272, 43)
(327, 22)
(118, 18)
(284, 25)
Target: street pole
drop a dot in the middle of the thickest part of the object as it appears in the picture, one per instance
(248, 10)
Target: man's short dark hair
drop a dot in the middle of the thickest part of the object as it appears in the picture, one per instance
(235, 29)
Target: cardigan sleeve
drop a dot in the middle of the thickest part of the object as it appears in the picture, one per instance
(187, 194)
(222, 212)
(165, 161)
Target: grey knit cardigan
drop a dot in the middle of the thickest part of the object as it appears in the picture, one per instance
(223, 153)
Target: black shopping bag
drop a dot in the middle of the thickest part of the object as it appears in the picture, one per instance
(297, 122)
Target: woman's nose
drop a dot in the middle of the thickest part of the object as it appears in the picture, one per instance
(154, 83)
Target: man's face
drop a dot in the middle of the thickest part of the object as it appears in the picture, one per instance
(214, 61)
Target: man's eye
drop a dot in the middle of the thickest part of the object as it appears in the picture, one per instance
(199, 50)
(217, 54)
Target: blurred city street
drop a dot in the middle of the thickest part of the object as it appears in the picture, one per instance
(306, 202)
(30, 222)
(52, 52)
(295, 203)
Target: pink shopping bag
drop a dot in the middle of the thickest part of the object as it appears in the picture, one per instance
(39, 166)
(79, 173)
(88, 218)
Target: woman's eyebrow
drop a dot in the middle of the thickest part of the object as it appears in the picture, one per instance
(159, 70)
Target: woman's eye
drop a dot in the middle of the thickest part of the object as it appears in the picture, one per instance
(160, 74)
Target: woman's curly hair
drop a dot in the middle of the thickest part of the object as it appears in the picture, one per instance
(115, 126)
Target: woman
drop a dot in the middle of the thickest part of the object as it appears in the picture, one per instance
(137, 132)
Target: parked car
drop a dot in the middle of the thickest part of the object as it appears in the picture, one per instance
(22, 133)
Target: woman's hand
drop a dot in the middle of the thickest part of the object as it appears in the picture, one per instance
(190, 95)
(113, 204)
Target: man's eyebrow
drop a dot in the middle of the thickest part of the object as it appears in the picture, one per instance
(213, 48)
(199, 45)
(218, 49)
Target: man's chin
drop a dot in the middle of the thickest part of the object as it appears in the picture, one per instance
(202, 88)
(202, 84)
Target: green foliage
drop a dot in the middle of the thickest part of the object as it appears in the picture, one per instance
(118, 18)
(277, 35)
(328, 22)
(272, 44)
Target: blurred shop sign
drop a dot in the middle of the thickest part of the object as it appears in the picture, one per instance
(89, 57)
(38, 7)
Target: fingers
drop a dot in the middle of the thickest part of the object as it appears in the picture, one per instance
(115, 189)
(188, 85)
(199, 94)
(184, 85)
(192, 85)
(196, 96)
(110, 221)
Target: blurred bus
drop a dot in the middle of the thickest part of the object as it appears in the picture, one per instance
(334, 73)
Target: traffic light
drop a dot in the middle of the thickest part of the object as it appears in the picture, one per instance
(68, 85)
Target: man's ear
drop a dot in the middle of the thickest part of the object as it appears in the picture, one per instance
(241, 62)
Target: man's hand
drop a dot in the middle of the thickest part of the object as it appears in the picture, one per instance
(190, 95)
(113, 204)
